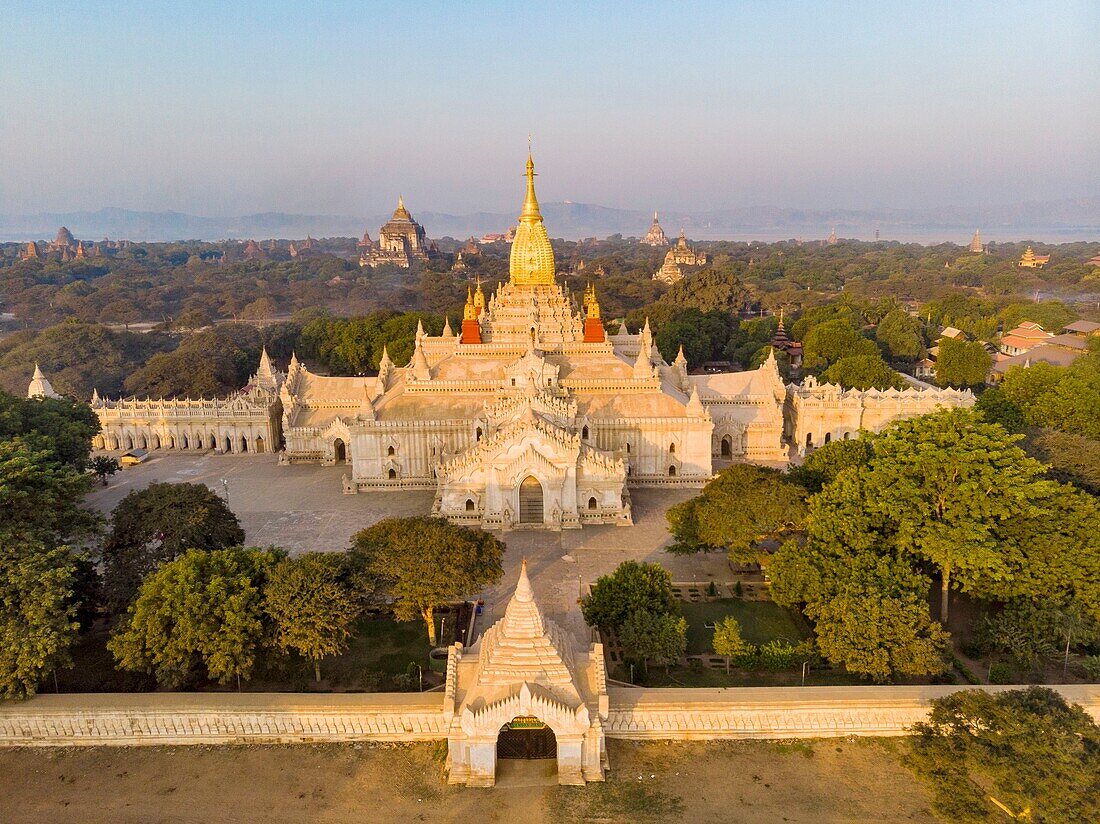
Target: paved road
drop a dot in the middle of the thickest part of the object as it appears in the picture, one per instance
(302, 508)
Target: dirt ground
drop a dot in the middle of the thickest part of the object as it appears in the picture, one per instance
(826, 782)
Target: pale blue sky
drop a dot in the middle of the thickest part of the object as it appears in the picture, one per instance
(329, 107)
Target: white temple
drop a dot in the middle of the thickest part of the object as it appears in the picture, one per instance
(530, 415)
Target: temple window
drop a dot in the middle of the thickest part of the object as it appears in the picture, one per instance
(479, 433)
(392, 474)
(391, 451)
(672, 472)
(469, 505)
(672, 449)
(584, 433)
(591, 503)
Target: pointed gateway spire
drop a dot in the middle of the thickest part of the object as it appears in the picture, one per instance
(294, 364)
(447, 333)
(525, 646)
(419, 329)
(680, 359)
(95, 396)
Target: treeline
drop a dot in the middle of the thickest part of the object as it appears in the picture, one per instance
(168, 576)
(867, 527)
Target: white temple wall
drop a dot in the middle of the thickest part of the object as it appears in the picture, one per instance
(129, 719)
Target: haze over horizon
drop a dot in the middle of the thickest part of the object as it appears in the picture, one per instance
(335, 110)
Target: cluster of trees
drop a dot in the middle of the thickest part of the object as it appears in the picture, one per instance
(196, 605)
(635, 606)
(205, 362)
(44, 448)
(185, 600)
(1020, 754)
(870, 523)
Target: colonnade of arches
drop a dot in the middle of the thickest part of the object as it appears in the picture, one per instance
(184, 441)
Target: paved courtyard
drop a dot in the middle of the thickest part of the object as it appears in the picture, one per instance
(302, 509)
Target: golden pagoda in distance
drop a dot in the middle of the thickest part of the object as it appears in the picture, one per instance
(976, 244)
(1030, 260)
(532, 259)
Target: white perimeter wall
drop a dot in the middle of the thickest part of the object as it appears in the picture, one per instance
(672, 714)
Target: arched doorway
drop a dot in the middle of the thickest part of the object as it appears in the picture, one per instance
(228, 444)
(244, 444)
(727, 447)
(339, 451)
(259, 444)
(530, 501)
(526, 737)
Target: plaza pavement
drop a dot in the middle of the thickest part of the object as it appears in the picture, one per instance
(302, 508)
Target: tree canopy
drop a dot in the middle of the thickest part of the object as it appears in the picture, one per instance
(962, 363)
(742, 506)
(156, 524)
(863, 372)
(200, 614)
(1026, 753)
(310, 607)
(426, 562)
(632, 587)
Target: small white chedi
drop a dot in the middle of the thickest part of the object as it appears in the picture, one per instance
(529, 416)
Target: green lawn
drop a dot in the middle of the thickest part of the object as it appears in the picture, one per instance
(380, 645)
(761, 621)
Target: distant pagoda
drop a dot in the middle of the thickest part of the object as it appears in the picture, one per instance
(656, 235)
(976, 244)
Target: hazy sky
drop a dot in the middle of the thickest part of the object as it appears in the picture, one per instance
(328, 107)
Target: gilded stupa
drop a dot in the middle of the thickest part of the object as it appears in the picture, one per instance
(532, 259)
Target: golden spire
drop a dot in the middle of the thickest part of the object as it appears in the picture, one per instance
(531, 262)
(479, 297)
(469, 312)
(530, 213)
(592, 304)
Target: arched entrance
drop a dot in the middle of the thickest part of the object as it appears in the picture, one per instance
(339, 451)
(726, 447)
(526, 737)
(530, 501)
(259, 444)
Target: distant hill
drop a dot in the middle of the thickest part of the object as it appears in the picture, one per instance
(1054, 221)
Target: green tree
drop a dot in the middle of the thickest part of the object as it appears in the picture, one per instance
(426, 562)
(632, 587)
(832, 340)
(202, 612)
(826, 462)
(869, 610)
(310, 608)
(1026, 753)
(37, 613)
(962, 363)
(657, 638)
(899, 334)
(103, 466)
(156, 524)
(863, 372)
(728, 641)
(945, 483)
(742, 506)
(38, 495)
(1070, 458)
(62, 426)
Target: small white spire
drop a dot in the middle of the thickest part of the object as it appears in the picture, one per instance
(524, 593)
